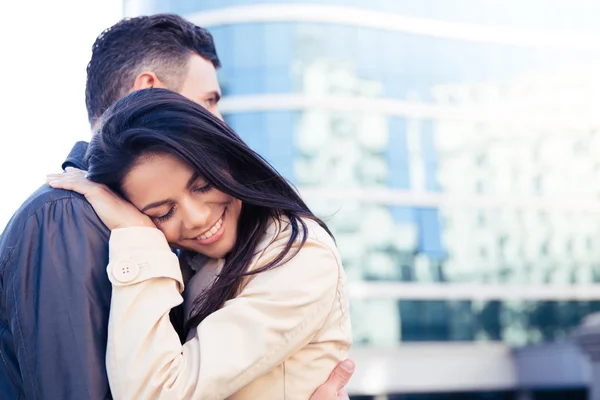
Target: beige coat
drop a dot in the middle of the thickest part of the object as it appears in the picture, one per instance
(279, 338)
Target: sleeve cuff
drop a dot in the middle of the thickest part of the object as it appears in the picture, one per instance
(139, 254)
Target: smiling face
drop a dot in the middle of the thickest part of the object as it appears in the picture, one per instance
(188, 210)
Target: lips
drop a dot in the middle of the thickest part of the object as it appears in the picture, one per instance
(215, 228)
(214, 233)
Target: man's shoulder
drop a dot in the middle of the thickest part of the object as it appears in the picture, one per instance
(46, 207)
(45, 197)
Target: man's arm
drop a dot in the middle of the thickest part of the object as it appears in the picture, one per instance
(57, 300)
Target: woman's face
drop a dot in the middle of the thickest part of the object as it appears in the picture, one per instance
(191, 214)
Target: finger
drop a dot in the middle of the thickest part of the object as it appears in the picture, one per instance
(65, 178)
(72, 172)
(66, 184)
(64, 175)
(342, 374)
(79, 185)
(57, 175)
(338, 378)
(75, 170)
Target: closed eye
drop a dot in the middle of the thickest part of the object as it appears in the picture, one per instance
(203, 189)
(165, 217)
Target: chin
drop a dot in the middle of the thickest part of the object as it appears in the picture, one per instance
(220, 250)
(216, 253)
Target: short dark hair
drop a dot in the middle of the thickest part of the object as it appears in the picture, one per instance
(161, 43)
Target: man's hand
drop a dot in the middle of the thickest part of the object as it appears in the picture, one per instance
(333, 388)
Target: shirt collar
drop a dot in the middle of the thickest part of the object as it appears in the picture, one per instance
(76, 157)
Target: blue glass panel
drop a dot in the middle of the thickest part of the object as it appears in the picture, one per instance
(429, 154)
(428, 140)
(270, 134)
(367, 53)
(534, 14)
(431, 182)
(403, 214)
(248, 45)
(157, 6)
(246, 81)
(409, 315)
(340, 41)
(223, 44)
(250, 127)
(397, 154)
(279, 127)
(183, 7)
(429, 232)
(277, 80)
(425, 320)
(278, 44)
(395, 85)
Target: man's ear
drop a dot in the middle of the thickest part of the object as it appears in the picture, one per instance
(147, 80)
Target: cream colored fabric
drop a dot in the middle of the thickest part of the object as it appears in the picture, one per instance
(279, 338)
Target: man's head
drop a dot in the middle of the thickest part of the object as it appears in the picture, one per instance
(161, 51)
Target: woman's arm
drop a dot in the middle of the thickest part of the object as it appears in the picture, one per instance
(278, 312)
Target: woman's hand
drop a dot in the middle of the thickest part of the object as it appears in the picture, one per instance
(112, 209)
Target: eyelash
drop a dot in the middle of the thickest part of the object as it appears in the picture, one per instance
(165, 217)
(203, 189)
(168, 215)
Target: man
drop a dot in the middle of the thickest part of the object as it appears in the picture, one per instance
(54, 293)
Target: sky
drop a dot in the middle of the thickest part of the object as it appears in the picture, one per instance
(45, 46)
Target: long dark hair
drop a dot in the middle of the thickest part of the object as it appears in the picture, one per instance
(160, 121)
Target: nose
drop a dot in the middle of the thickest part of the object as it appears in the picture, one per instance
(195, 214)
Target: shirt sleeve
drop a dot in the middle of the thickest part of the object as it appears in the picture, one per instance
(277, 313)
(57, 300)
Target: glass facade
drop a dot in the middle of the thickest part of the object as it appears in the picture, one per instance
(434, 159)
(517, 322)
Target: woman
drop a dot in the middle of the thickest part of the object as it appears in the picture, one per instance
(267, 317)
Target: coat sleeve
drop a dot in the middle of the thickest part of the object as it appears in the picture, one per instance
(58, 299)
(277, 313)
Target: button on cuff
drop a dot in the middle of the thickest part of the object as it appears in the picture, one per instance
(139, 268)
(125, 271)
(141, 253)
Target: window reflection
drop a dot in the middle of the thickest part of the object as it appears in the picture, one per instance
(521, 133)
(381, 322)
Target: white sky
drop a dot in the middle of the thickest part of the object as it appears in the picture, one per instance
(44, 49)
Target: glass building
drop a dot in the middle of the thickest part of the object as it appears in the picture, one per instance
(453, 147)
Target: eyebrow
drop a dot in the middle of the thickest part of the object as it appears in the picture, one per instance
(155, 204)
(191, 181)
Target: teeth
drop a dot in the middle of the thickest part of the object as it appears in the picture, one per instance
(212, 230)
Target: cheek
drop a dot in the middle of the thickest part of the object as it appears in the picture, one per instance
(236, 208)
(169, 229)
